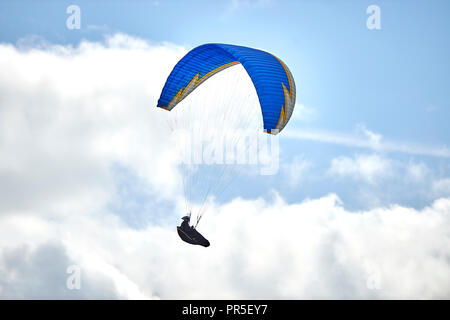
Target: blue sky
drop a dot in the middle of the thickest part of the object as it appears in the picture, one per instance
(388, 79)
(391, 81)
(369, 135)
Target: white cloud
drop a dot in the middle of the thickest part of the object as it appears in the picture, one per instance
(40, 273)
(296, 171)
(259, 249)
(417, 171)
(374, 139)
(441, 187)
(303, 113)
(69, 115)
(370, 168)
(366, 139)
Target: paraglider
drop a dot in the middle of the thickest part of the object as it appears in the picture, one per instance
(189, 234)
(272, 79)
(274, 84)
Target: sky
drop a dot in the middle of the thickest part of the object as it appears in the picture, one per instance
(357, 208)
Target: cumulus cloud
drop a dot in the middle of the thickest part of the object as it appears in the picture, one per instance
(67, 115)
(370, 168)
(74, 119)
(260, 249)
(41, 273)
(374, 168)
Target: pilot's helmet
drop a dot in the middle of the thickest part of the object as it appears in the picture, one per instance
(186, 218)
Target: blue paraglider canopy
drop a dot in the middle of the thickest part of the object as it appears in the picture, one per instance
(272, 79)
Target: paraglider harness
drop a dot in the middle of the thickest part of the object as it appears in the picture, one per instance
(189, 234)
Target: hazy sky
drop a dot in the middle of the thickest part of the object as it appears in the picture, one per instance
(360, 205)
